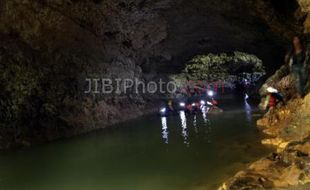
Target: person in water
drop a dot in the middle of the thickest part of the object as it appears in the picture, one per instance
(170, 105)
(298, 60)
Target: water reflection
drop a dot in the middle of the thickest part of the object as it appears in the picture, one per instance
(184, 127)
(195, 124)
(165, 133)
(204, 115)
(201, 125)
(248, 108)
(195, 121)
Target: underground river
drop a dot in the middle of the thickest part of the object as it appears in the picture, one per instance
(180, 152)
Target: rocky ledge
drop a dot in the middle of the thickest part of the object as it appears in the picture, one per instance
(288, 129)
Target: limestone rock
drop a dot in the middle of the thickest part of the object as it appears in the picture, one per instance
(288, 126)
(279, 170)
(307, 24)
(305, 7)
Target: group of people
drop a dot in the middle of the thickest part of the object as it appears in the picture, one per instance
(299, 64)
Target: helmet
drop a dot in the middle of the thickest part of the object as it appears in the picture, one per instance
(272, 90)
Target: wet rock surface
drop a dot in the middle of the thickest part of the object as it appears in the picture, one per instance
(288, 130)
(282, 170)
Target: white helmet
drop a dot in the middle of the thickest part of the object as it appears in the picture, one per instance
(272, 90)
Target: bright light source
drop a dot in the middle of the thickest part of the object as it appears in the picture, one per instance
(193, 104)
(163, 110)
(209, 103)
(246, 96)
(182, 104)
(210, 93)
(202, 102)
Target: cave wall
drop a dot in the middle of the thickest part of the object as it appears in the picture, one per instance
(49, 47)
(305, 16)
(209, 26)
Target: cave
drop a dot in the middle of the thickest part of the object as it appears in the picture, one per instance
(60, 60)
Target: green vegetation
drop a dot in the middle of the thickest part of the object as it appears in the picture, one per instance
(220, 67)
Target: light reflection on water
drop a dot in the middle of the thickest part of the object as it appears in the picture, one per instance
(165, 133)
(204, 115)
(196, 126)
(195, 121)
(184, 127)
(248, 110)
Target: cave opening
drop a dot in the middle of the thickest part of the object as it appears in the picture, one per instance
(196, 32)
(236, 72)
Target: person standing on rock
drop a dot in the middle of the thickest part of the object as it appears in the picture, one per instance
(273, 97)
(298, 60)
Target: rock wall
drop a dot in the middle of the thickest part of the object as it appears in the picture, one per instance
(288, 130)
(305, 8)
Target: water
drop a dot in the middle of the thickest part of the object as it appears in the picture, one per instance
(152, 153)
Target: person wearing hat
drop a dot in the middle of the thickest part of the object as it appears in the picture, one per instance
(273, 98)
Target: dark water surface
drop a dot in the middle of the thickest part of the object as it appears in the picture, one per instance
(176, 153)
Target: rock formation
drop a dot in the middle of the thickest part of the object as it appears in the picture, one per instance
(288, 130)
(305, 8)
